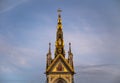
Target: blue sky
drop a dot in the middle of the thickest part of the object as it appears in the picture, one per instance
(27, 26)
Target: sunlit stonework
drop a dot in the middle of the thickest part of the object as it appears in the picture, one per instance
(59, 69)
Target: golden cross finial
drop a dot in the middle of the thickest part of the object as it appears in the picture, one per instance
(59, 11)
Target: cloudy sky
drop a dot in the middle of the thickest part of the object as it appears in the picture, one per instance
(27, 26)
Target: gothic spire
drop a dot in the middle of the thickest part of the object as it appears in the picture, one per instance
(59, 36)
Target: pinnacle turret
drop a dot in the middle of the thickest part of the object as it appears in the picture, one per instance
(49, 48)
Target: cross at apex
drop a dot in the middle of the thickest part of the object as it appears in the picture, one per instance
(59, 11)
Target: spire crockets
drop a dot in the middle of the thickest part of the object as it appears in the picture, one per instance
(59, 37)
(59, 19)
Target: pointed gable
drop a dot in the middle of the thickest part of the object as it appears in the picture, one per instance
(59, 67)
(59, 64)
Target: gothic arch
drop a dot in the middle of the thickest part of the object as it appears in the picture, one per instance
(59, 80)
